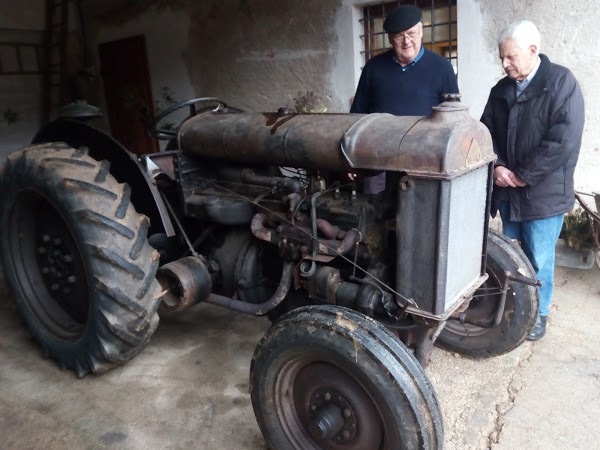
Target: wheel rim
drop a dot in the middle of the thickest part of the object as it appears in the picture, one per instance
(320, 405)
(47, 266)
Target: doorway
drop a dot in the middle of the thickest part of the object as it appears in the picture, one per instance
(128, 92)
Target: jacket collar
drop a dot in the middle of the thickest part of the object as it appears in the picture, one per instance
(506, 86)
(538, 82)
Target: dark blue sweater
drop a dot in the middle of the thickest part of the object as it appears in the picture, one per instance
(385, 87)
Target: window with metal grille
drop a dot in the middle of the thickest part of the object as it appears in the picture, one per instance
(439, 28)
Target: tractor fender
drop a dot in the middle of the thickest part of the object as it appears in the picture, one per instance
(124, 166)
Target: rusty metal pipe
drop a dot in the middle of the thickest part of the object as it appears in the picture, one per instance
(258, 309)
(260, 230)
(287, 184)
(328, 230)
(351, 238)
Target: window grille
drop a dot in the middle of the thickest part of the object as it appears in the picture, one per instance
(439, 28)
(18, 58)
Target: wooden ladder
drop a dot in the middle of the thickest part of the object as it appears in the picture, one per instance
(55, 58)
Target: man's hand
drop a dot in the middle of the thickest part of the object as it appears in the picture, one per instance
(505, 177)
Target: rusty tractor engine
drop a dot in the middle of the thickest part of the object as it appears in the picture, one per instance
(280, 218)
(264, 213)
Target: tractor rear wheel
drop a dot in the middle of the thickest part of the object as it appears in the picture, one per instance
(76, 257)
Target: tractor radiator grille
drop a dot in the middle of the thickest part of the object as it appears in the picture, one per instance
(440, 228)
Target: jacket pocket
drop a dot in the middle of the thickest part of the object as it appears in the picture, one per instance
(551, 186)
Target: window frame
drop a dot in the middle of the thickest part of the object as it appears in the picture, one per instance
(445, 46)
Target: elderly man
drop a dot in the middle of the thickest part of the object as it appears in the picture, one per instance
(535, 115)
(406, 80)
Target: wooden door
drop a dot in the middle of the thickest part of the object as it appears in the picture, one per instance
(128, 92)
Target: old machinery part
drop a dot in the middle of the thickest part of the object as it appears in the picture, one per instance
(340, 142)
(185, 282)
(77, 259)
(168, 134)
(328, 377)
(263, 308)
(471, 331)
(123, 165)
(290, 185)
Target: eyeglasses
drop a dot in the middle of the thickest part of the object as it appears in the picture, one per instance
(410, 35)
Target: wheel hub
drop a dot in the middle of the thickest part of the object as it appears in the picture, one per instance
(331, 416)
(55, 261)
(334, 409)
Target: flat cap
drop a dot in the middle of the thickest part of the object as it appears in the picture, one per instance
(402, 18)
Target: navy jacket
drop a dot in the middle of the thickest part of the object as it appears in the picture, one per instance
(537, 136)
(385, 88)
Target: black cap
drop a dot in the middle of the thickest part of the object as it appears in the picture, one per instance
(402, 18)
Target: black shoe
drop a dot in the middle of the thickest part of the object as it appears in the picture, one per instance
(539, 330)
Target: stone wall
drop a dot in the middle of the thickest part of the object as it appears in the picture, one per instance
(259, 55)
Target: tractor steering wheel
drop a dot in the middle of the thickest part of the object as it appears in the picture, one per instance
(166, 134)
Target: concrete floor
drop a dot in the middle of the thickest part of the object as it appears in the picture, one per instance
(189, 388)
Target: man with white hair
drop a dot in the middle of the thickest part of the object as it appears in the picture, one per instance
(535, 116)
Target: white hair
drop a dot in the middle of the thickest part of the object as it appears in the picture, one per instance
(523, 32)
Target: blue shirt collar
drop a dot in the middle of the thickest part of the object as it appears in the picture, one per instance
(413, 62)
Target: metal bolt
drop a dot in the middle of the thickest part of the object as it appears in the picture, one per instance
(313, 408)
(72, 279)
(327, 396)
(67, 258)
(54, 287)
(57, 241)
(346, 434)
(347, 413)
(46, 238)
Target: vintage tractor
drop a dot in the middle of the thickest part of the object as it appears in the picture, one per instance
(256, 212)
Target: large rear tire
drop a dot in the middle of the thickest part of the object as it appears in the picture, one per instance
(76, 257)
(327, 377)
(520, 310)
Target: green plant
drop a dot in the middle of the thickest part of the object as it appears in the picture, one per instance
(167, 99)
(577, 230)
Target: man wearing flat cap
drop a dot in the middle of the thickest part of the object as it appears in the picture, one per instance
(406, 80)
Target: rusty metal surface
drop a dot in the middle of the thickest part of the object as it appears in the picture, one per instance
(297, 140)
(186, 282)
(443, 145)
(258, 309)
